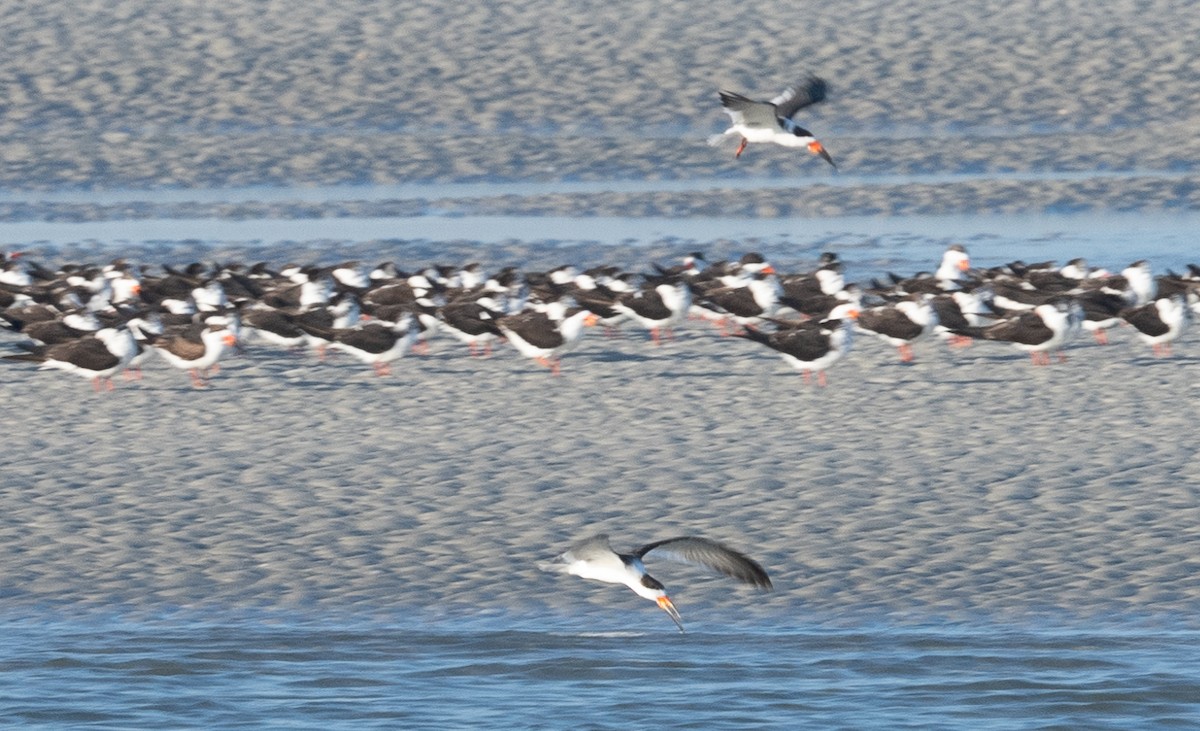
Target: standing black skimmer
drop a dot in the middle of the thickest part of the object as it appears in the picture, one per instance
(601, 301)
(1037, 331)
(899, 323)
(195, 349)
(274, 326)
(950, 276)
(544, 335)
(472, 322)
(1141, 281)
(1159, 322)
(809, 292)
(593, 558)
(70, 326)
(954, 267)
(747, 302)
(1101, 310)
(285, 327)
(810, 346)
(376, 343)
(691, 265)
(658, 308)
(759, 121)
(958, 310)
(98, 356)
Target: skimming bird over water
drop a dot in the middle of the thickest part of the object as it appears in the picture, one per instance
(771, 121)
(594, 558)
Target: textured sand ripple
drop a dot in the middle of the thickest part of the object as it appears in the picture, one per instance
(963, 483)
(143, 94)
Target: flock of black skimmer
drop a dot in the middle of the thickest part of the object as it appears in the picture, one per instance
(101, 320)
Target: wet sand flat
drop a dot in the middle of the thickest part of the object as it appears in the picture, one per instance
(138, 94)
(965, 483)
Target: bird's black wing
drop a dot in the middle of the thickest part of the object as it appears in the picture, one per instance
(710, 554)
(749, 112)
(798, 96)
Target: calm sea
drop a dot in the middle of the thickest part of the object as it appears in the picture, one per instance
(302, 674)
(868, 244)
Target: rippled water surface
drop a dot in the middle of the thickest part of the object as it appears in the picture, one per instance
(866, 243)
(196, 674)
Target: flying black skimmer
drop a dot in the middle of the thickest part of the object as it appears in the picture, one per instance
(810, 346)
(195, 349)
(544, 335)
(899, 323)
(771, 121)
(1037, 331)
(1159, 322)
(97, 357)
(593, 558)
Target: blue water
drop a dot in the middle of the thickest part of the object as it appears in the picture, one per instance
(303, 675)
(869, 244)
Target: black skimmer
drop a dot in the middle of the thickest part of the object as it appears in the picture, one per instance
(954, 266)
(1159, 322)
(403, 292)
(472, 322)
(544, 335)
(70, 326)
(899, 323)
(691, 265)
(1101, 310)
(142, 327)
(274, 326)
(825, 281)
(195, 349)
(14, 274)
(97, 357)
(1079, 270)
(18, 317)
(771, 121)
(958, 310)
(347, 277)
(284, 327)
(657, 308)
(1045, 277)
(747, 302)
(376, 343)
(810, 346)
(951, 274)
(1037, 331)
(1141, 281)
(594, 558)
(600, 298)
